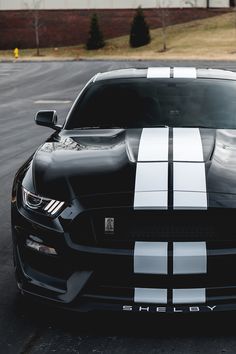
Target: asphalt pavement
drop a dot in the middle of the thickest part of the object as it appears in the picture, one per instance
(26, 327)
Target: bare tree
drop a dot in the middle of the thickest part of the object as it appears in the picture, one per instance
(163, 14)
(34, 9)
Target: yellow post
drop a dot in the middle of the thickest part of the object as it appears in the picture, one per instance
(16, 53)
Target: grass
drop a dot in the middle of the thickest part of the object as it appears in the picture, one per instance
(211, 38)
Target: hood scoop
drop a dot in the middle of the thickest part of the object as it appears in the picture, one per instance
(160, 168)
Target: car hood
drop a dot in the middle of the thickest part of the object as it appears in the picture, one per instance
(89, 163)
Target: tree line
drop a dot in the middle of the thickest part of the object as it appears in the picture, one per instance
(139, 32)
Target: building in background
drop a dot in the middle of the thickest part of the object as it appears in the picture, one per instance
(66, 22)
(111, 4)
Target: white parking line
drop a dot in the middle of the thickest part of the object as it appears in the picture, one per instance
(52, 102)
(9, 70)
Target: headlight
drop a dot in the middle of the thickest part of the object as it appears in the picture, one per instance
(37, 203)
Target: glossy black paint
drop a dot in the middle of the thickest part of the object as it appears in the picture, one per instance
(47, 119)
(80, 164)
(93, 171)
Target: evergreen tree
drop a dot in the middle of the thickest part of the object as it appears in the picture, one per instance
(95, 39)
(139, 34)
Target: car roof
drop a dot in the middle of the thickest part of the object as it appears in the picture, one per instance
(187, 72)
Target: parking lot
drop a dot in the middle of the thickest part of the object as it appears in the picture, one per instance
(26, 88)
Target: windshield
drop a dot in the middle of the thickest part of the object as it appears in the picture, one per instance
(141, 102)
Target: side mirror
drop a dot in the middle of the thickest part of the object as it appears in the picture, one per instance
(47, 119)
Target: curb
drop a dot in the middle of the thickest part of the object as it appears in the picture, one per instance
(107, 59)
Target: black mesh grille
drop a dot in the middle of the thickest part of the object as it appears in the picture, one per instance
(131, 226)
(166, 226)
(81, 230)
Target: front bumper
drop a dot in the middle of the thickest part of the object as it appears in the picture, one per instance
(86, 278)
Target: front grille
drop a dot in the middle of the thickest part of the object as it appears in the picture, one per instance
(131, 226)
(166, 226)
(120, 287)
(81, 230)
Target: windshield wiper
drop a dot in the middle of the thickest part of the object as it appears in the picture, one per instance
(149, 126)
(197, 126)
(157, 126)
(84, 128)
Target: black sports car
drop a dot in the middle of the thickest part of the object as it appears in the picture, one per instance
(131, 205)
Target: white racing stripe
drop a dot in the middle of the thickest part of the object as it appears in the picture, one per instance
(187, 145)
(189, 258)
(179, 296)
(150, 296)
(151, 200)
(151, 177)
(189, 175)
(154, 145)
(151, 257)
(189, 185)
(185, 73)
(151, 183)
(158, 73)
(190, 201)
(151, 186)
(189, 296)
